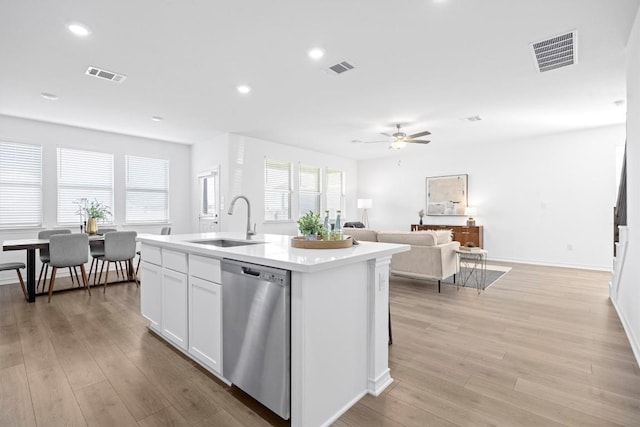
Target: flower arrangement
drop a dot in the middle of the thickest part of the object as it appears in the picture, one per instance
(93, 209)
(421, 213)
(309, 224)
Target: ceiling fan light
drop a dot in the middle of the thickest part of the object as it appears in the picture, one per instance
(398, 144)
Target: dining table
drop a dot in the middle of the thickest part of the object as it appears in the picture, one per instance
(30, 245)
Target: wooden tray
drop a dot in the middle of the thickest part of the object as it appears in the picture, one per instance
(302, 243)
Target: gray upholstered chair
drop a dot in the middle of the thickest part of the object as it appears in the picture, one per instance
(97, 252)
(15, 266)
(44, 255)
(68, 250)
(119, 246)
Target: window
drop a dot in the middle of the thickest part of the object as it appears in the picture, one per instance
(20, 185)
(309, 189)
(147, 198)
(277, 190)
(335, 192)
(83, 175)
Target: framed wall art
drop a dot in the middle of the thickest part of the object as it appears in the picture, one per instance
(447, 195)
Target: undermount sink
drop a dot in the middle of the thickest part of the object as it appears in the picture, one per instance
(225, 243)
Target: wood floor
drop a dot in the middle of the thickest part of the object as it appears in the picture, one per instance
(541, 347)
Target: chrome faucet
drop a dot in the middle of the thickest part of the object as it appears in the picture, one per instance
(233, 202)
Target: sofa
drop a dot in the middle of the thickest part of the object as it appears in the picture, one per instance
(432, 255)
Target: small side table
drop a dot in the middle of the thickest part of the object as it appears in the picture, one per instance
(475, 268)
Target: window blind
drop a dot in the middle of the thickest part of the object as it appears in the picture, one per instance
(277, 190)
(147, 198)
(83, 175)
(335, 191)
(309, 189)
(20, 185)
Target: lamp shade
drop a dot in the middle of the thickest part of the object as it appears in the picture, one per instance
(365, 203)
(469, 211)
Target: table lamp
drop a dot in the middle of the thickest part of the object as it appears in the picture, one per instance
(365, 204)
(471, 212)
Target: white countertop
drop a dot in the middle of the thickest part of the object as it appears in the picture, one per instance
(275, 251)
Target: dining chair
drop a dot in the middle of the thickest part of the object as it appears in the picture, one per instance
(97, 252)
(44, 255)
(68, 250)
(7, 266)
(119, 246)
(165, 231)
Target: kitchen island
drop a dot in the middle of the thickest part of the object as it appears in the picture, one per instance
(338, 311)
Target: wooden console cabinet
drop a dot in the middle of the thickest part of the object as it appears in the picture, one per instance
(461, 233)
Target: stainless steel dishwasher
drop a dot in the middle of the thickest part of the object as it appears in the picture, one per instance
(256, 331)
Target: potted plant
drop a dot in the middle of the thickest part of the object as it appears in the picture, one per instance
(421, 214)
(94, 211)
(310, 225)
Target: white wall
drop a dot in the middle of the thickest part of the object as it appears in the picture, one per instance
(242, 172)
(51, 136)
(627, 300)
(543, 200)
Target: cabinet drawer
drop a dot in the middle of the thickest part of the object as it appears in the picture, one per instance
(151, 254)
(204, 268)
(174, 260)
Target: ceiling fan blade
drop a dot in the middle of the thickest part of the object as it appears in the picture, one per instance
(418, 141)
(386, 134)
(419, 134)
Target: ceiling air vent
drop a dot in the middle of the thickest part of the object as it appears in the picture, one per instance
(341, 67)
(556, 52)
(104, 74)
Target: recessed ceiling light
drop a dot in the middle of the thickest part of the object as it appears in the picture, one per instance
(49, 96)
(243, 89)
(157, 118)
(316, 53)
(79, 29)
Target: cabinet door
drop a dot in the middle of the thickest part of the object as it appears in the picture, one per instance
(174, 307)
(151, 294)
(469, 234)
(205, 322)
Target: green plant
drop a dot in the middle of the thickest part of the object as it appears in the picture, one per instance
(97, 210)
(310, 223)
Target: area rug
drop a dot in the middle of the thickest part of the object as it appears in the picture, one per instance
(494, 273)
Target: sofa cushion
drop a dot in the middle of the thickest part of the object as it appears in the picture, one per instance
(364, 234)
(443, 236)
(420, 238)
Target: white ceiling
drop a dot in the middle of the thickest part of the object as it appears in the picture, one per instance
(423, 63)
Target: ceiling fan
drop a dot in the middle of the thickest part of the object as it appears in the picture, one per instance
(401, 139)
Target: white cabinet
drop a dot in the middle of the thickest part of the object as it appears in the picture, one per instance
(151, 294)
(205, 322)
(174, 307)
(181, 296)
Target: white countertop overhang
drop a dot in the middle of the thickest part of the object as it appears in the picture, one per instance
(274, 250)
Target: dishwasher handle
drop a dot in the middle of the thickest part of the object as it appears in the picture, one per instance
(250, 272)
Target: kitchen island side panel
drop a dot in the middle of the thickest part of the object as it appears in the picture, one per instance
(329, 342)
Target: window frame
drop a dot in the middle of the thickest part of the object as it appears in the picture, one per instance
(342, 195)
(88, 189)
(39, 198)
(150, 190)
(288, 191)
(317, 193)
